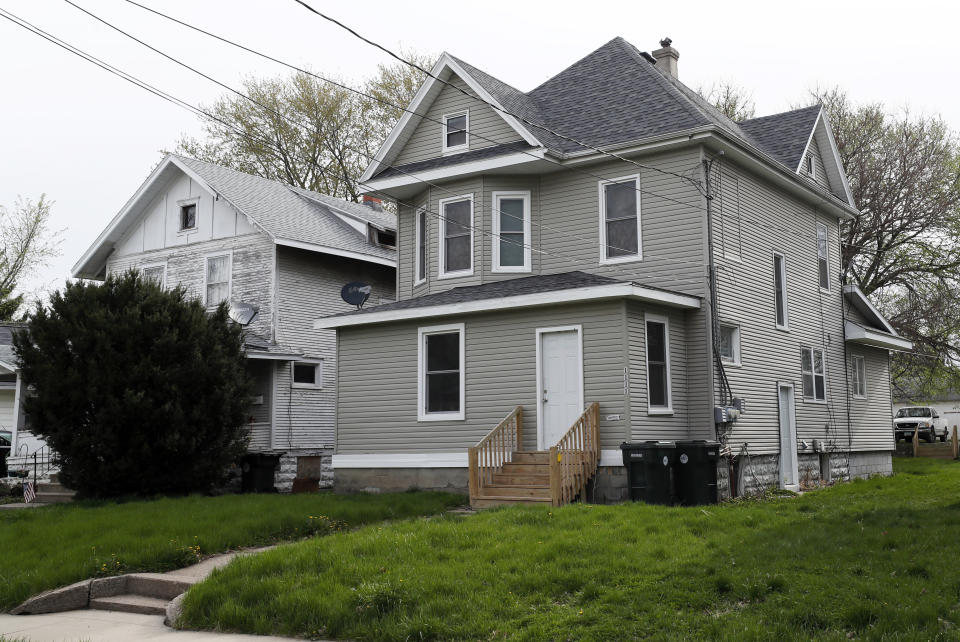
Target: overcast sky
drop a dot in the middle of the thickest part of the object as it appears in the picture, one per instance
(88, 139)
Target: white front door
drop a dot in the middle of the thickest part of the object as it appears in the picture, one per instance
(560, 384)
(789, 474)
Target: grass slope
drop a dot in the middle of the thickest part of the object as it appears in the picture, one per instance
(43, 548)
(875, 558)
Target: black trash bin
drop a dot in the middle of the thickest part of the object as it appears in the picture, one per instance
(649, 465)
(695, 472)
(257, 473)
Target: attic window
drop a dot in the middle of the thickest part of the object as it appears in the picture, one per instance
(386, 238)
(455, 128)
(188, 216)
(808, 164)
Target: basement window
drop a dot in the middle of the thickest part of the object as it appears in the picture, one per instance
(814, 374)
(306, 374)
(441, 373)
(456, 135)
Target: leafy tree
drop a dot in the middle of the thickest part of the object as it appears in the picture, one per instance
(26, 245)
(138, 389)
(311, 134)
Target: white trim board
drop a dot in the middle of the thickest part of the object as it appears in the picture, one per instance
(325, 249)
(590, 293)
(854, 333)
(458, 170)
(402, 460)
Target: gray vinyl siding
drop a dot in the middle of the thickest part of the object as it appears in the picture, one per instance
(485, 125)
(251, 266)
(644, 426)
(377, 405)
(309, 288)
(872, 416)
(819, 172)
(774, 222)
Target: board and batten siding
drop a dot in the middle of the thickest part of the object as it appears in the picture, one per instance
(771, 221)
(486, 128)
(308, 287)
(377, 387)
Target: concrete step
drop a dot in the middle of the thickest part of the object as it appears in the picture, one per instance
(488, 502)
(156, 585)
(52, 487)
(531, 457)
(46, 497)
(516, 491)
(131, 604)
(511, 479)
(511, 468)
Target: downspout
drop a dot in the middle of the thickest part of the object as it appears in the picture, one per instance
(725, 392)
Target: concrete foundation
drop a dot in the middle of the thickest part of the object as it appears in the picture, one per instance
(310, 468)
(609, 486)
(392, 480)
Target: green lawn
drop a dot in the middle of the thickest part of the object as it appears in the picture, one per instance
(872, 559)
(43, 548)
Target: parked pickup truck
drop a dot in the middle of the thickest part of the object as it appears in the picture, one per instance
(922, 419)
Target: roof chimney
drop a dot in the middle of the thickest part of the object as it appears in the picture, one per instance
(667, 57)
(372, 202)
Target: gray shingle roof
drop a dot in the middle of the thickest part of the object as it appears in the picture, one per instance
(783, 136)
(446, 161)
(6, 342)
(294, 214)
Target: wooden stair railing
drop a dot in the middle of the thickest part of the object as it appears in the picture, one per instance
(494, 450)
(574, 460)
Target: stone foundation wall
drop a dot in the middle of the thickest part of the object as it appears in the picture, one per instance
(608, 486)
(391, 480)
(759, 472)
(313, 467)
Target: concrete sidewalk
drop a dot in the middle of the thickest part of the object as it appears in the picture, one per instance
(106, 626)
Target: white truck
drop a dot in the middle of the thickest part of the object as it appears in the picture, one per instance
(922, 419)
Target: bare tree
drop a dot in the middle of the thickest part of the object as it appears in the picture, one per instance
(304, 131)
(732, 100)
(28, 245)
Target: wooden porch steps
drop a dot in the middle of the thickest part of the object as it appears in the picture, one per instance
(525, 479)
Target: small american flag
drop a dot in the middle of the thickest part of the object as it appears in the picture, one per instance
(29, 494)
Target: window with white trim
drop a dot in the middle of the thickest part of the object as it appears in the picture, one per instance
(456, 131)
(155, 273)
(217, 281)
(780, 290)
(730, 344)
(658, 364)
(421, 246)
(814, 374)
(441, 373)
(306, 374)
(859, 367)
(823, 256)
(456, 236)
(511, 231)
(620, 237)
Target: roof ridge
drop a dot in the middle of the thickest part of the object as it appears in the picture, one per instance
(817, 106)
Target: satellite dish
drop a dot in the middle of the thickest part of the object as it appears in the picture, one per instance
(243, 313)
(356, 293)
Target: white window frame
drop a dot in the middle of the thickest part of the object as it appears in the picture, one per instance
(195, 201)
(442, 272)
(735, 344)
(658, 318)
(813, 373)
(783, 279)
(150, 266)
(206, 259)
(859, 380)
(456, 149)
(604, 260)
(809, 166)
(826, 254)
(422, 334)
(495, 198)
(418, 226)
(318, 374)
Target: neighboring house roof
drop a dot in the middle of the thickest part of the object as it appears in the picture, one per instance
(290, 216)
(523, 292)
(614, 96)
(8, 359)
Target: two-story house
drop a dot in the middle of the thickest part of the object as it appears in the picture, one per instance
(229, 236)
(608, 258)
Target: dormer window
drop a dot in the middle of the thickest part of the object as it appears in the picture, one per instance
(386, 238)
(455, 132)
(188, 216)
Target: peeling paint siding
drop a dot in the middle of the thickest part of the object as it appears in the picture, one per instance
(309, 288)
(426, 141)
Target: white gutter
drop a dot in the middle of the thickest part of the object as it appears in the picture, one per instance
(273, 356)
(460, 169)
(590, 293)
(854, 333)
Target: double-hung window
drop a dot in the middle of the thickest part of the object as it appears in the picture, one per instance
(217, 281)
(859, 376)
(456, 236)
(155, 273)
(421, 247)
(730, 344)
(456, 132)
(441, 373)
(823, 256)
(814, 374)
(620, 238)
(511, 231)
(658, 365)
(780, 290)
